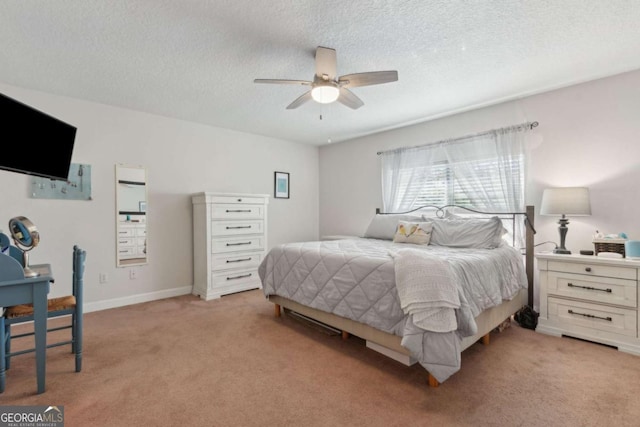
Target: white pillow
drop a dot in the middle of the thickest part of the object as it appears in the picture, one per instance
(383, 226)
(418, 233)
(433, 213)
(451, 215)
(468, 233)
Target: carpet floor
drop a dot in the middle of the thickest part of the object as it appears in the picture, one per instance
(230, 362)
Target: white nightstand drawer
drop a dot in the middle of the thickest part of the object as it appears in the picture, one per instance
(230, 228)
(601, 318)
(236, 261)
(239, 211)
(221, 245)
(593, 288)
(593, 269)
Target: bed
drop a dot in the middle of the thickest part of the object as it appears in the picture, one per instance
(416, 303)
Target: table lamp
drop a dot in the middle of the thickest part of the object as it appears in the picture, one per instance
(565, 201)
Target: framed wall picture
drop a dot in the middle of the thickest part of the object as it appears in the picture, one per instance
(281, 185)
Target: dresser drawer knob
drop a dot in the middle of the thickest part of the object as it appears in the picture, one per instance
(238, 260)
(589, 288)
(239, 277)
(588, 269)
(591, 316)
(238, 244)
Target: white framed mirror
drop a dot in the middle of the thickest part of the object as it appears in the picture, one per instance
(131, 214)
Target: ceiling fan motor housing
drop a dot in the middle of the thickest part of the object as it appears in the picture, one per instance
(325, 92)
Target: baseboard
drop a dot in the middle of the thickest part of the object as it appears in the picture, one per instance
(135, 299)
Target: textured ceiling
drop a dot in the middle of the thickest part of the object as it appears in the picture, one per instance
(196, 59)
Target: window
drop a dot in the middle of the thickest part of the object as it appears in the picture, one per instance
(440, 187)
(485, 172)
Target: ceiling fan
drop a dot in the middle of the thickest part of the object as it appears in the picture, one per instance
(327, 87)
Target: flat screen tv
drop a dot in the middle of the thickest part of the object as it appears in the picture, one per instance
(34, 142)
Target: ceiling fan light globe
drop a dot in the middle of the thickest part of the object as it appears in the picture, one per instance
(325, 94)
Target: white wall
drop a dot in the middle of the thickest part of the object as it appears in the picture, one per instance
(181, 158)
(589, 135)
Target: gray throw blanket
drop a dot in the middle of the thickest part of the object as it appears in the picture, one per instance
(426, 289)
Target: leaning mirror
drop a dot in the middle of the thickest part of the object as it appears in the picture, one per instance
(131, 213)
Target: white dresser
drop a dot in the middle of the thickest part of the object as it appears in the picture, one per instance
(229, 242)
(590, 298)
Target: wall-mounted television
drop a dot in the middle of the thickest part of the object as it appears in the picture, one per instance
(34, 142)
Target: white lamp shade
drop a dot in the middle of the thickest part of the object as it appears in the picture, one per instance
(566, 201)
(325, 94)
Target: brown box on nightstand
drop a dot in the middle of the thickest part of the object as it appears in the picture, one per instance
(609, 245)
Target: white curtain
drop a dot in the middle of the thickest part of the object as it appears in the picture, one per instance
(483, 172)
(402, 171)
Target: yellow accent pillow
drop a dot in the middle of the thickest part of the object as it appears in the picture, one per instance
(418, 233)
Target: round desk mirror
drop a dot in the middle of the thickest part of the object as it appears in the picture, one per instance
(26, 237)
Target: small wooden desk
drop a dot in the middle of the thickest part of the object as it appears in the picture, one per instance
(16, 290)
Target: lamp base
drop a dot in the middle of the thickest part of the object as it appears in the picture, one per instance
(562, 251)
(563, 234)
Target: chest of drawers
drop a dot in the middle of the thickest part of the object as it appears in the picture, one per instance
(591, 298)
(229, 242)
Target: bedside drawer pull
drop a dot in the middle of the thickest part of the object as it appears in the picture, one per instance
(239, 277)
(587, 269)
(238, 210)
(238, 260)
(238, 244)
(571, 285)
(591, 316)
(238, 227)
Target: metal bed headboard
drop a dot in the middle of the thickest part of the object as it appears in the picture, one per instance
(530, 231)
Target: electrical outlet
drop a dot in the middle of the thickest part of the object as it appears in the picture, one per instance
(104, 278)
(133, 274)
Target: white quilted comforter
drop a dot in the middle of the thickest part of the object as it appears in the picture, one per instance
(356, 279)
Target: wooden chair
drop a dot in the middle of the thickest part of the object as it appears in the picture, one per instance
(70, 305)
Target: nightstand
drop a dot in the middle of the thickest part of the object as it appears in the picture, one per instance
(591, 298)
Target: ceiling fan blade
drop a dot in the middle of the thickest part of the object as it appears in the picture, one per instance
(300, 100)
(326, 62)
(284, 82)
(368, 79)
(349, 99)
